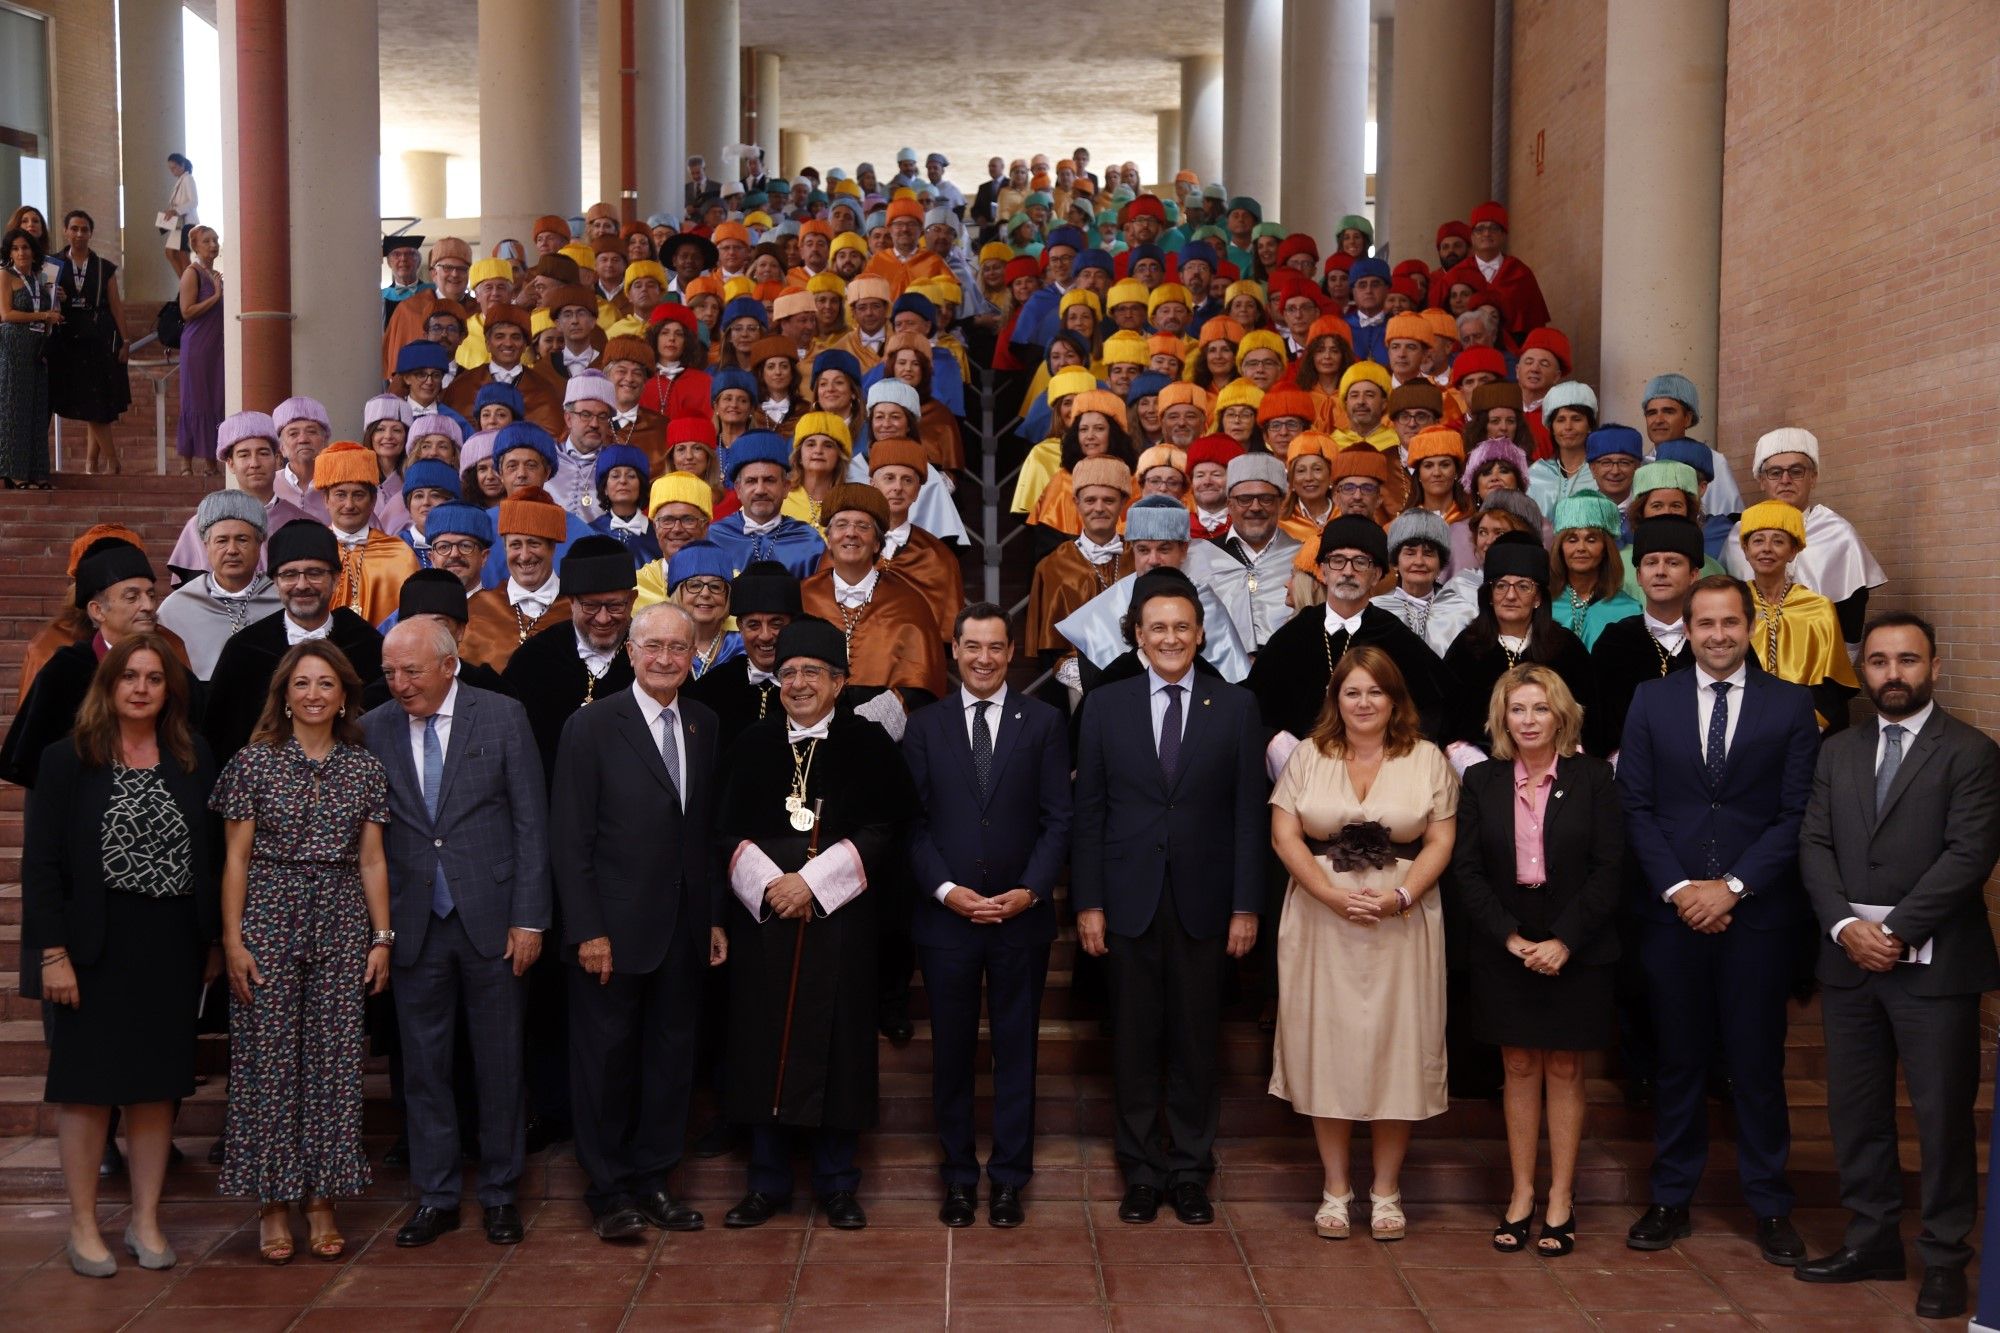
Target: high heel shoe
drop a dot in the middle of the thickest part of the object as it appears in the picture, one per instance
(82, 1267)
(1511, 1230)
(327, 1243)
(1564, 1236)
(155, 1260)
(275, 1250)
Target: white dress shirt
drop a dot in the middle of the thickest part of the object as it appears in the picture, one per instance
(1096, 554)
(533, 601)
(1704, 708)
(1670, 638)
(443, 716)
(968, 704)
(594, 661)
(636, 525)
(895, 540)
(816, 732)
(769, 525)
(350, 538)
(1156, 687)
(1335, 622)
(579, 360)
(1912, 726)
(1487, 268)
(499, 374)
(658, 717)
(296, 634)
(851, 595)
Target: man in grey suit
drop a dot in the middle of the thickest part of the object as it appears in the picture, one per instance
(1900, 835)
(469, 898)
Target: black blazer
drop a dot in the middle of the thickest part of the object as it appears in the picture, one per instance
(1202, 839)
(62, 860)
(1018, 837)
(628, 858)
(1583, 850)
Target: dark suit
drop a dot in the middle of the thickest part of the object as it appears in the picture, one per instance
(1925, 853)
(488, 839)
(635, 863)
(1729, 986)
(1168, 864)
(1014, 835)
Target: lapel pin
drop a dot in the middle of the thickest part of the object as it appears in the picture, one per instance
(1204, 703)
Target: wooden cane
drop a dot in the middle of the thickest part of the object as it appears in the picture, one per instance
(792, 993)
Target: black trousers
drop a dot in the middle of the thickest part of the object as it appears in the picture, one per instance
(1166, 1003)
(1014, 976)
(1868, 1029)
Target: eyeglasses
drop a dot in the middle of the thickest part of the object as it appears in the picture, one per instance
(712, 587)
(678, 520)
(1515, 587)
(1356, 489)
(285, 576)
(1340, 564)
(809, 673)
(1796, 472)
(663, 647)
(597, 416)
(1254, 501)
(601, 610)
(455, 548)
(424, 374)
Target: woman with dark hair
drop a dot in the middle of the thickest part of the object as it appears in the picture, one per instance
(1586, 573)
(1493, 412)
(1513, 626)
(1096, 430)
(1363, 819)
(201, 355)
(678, 386)
(1329, 352)
(909, 357)
(1215, 361)
(305, 932)
(87, 377)
(181, 213)
(780, 398)
(29, 314)
(119, 911)
(1536, 881)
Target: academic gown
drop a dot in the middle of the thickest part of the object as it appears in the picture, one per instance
(736, 703)
(243, 674)
(541, 394)
(1810, 652)
(1522, 309)
(1096, 632)
(830, 1072)
(647, 434)
(188, 559)
(1476, 668)
(495, 630)
(644, 546)
(1588, 621)
(48, 711)
(895, 643)
(933, 567)
(372, 575)
(1625, 656)
(1289, 676)
(551, 682)
(205, 621)
(798, 546)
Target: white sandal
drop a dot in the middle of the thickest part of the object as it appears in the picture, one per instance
(1331, 1219)
(1385, 1218)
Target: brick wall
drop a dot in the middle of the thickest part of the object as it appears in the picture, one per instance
(1555, 201)
(1858, 290)
(84, 86)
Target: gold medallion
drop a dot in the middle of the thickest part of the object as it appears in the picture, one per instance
(802, 820)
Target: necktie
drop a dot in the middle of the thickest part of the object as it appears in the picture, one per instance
(982, 747)
(1892, 759)
(1170, 735)
(1718, 732)
(670, 750)
(441, 903)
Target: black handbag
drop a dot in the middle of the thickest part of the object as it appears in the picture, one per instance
(169, 324)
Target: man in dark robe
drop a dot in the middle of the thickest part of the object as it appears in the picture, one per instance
(810, 819)
(764, 599)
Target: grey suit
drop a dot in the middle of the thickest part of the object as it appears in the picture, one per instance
(1926, 854)
(489, 836)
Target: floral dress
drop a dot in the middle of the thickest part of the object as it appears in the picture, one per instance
(294, 1122)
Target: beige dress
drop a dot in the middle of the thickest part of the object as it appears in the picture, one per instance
(1361, 1008)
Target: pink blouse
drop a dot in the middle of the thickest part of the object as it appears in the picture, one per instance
(1531, 806)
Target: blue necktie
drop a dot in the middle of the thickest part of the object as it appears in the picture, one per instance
(1718, 732)
(1170, 735)
(1892, 759)
(441, 903)
(670, 750)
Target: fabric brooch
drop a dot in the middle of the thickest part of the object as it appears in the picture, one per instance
(1361, 846)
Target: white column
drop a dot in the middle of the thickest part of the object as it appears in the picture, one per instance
(794, 151)
(610, 107)
(661, 113)
(150, 82)
(1441, 157)
(714, 95)
(768, 112)
(1201, 116)
(424, 182)
(1167, 138)
(335, 147)
(1253, 36)
(531, 123)
(1662, 275)
(1325, 115)
(1384, 64)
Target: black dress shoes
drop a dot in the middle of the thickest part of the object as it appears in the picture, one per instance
(1780, 1242)
(843, 1211)
(1943, 1294)
(1140, 1204)
(620, 1222)
(503, 1224)
(1004, 1208)
(718, 1140)
(1191, 1204)
(1845, 1265)
(426, 1225)
(898, 1029)
(961, 1205)
(663, 1212)
(1659, 1228)
(755, 1210)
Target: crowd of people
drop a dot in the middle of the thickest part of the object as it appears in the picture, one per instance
(609, 720)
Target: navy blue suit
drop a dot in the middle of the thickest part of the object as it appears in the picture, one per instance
(1728, 988)
(1014, 837)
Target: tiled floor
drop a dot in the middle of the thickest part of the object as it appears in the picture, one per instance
(1073, 1266)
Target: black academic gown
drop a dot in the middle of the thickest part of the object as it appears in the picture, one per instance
(830, 1073)
(481, 677)
(242, 674)
(726, 689)
(1477, 667)
(551, 682)
(1625, 656)
(48, 712)
(1290, 674)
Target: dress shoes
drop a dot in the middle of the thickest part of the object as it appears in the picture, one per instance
(1943, 1294)
(621, 1222)
(665, 1213)
(503, 1224)
(1659, 1228)
(898, 1029)
(1845, 1265)
(1779, 1242)
(755, 1210)
(1191, 1204)
(843, 1211)
(1004, 1208)
(718, 1140)
(1140, 1204)
(426, 1225)
(961, 1205)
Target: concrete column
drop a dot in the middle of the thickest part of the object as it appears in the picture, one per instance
(610, 108)
(150, 82)
(1253, 36)
(768, 137)
(1662, 272)
(1325, 115)
(1201, 116)
(661, 93)
(424, 182)
(714, 94)
(530, 139)
(794, 152)
(1441, 155)
(336, 206)
(1384, 65)
(1167, 135)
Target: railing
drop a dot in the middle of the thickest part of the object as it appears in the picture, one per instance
(157, 369)
(993, 486)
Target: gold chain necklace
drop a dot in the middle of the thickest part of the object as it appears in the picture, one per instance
(1773, 613)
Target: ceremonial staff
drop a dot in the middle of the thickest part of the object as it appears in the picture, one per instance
(798, 953)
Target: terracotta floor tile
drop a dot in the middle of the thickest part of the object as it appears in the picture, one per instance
(1009, 1319)
(467, 1245)
(1525, 1288)
(765, 1245)
(1249, 1215)
(1628, 1290)
(1304, 1249)
(1306, 1319)
(295, 1285)
(1638, 1321)
(414, 1285)
(1444, 1249)
(24, 1249)
(546, 1319)
(344, 1319)
(1168, 1245)
(562, 1287)
(567, 1245)
(1721, 1254)
(877, 1245)
(196, 1319)
(1366, 1288)
(705, 1319)
(1149, 1284)
(1773, 1290)
(878, 1318)
(720, 1284)
(1550, 1320)
(1023, 1284)
(1033, 1243)
(1193, 1318)
(891, 1212)
(873, 1284)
